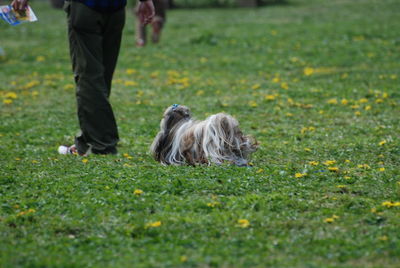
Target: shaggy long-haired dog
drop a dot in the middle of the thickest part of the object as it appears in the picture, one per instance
(183, 140)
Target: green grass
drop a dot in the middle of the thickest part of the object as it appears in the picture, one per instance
(58, 211)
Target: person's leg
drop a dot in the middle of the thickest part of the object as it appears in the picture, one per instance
(158, 20)
(140, 33)
(96, 119)
(111, 44)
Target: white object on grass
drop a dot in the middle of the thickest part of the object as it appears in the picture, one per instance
(63, 149)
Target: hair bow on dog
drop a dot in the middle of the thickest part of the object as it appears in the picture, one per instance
(174, 106)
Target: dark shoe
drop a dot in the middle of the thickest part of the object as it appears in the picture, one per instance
(112, 151)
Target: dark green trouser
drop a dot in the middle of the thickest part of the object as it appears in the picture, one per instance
(95, 40)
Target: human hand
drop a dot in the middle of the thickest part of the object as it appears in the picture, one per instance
(146, 11)
(19, 5)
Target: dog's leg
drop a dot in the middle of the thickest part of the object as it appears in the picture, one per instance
(187, 149)
(189, 158)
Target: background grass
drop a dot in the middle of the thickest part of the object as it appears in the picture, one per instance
(312, 81)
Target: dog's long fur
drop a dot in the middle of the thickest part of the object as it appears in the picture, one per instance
(182, 140)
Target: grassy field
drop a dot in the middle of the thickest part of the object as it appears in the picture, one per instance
(316, 82)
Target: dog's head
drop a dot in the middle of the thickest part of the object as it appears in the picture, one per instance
(173, 115)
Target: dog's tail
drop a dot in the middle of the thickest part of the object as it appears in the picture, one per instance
(224, 141)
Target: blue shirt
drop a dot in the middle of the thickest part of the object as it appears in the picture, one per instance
(104, 6)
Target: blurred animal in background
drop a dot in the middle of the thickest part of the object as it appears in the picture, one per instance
(217, 139)
(157, 24)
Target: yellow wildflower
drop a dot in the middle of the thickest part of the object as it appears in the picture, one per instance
(68, 86)
(243, 223)
(311, 129)
(154, 74)
(368, 107)
(308, 71)
(131, 71)
(329, 220)
(252, 104)
(366, 166)
(382, 169)
(333, 169)
(27, 212)
(391, 204)
(382, 142)
(200, 93)
(173, 73)
(31, 84)
(49, 83)
(329, 162)
(130, 83)
(363, 100)
(332, 101)
(7, 101)
(140, 93)
(269, 97)
(378, 101)
(300, 175)
(276, 79)
(40, 58)
(213, 204)
(259, 171)
(126, 155)
(313, 163)
(10, 95)
(183, 259)
(383, 238)
(137, 192)
(307, 149)
(256, 86)
(153, 224)
(85, 161)
(284, 85)
(344, 101)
